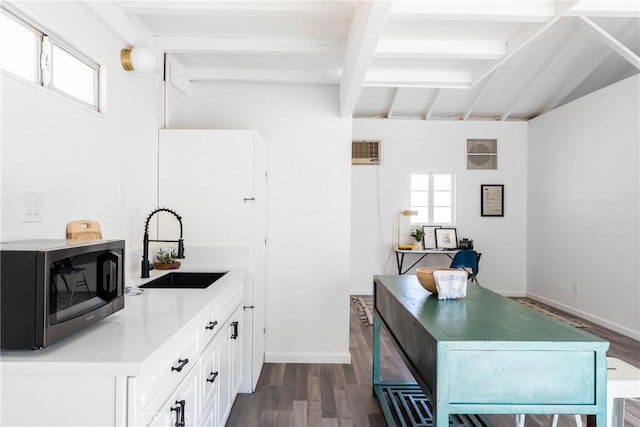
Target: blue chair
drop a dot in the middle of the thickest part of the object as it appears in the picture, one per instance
(469, 260)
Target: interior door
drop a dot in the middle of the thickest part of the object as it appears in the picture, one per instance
(216, 180)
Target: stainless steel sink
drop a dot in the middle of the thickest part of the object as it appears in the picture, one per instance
(180, 280)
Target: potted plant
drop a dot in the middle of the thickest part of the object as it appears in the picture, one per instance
(418, 233)
(166, 259)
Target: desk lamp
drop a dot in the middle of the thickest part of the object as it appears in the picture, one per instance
(405, 212)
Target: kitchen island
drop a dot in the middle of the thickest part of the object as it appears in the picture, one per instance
(132, 367)
(486, 354)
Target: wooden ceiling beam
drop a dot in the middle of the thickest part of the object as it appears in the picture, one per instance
(392, 104)
(434, 102)
(479, 95)
(367, 26)
(607, 9)
(567, 88)
(441, 49)
(270, 75)
(465, 10)
(540, 74)
(256, 45)
(613, 43)
(444, 79)
(115, 18)
(286, 9)
(522, 39)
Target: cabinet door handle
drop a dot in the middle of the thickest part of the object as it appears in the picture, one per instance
(181, 364)
(211, 325)
(234, 334)
(214, 375)
(179, 410)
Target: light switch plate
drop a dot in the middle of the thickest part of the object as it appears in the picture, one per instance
(31, 206)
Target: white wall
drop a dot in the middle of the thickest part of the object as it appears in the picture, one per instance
(308, 209)
(76, 157)
(381, 192)
(583, 207)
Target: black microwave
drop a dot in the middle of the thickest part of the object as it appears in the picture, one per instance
(50, 289)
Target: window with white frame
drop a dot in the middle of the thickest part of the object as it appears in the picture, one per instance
(432, 196)
(32, 54)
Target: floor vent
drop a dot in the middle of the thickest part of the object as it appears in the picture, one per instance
(482, 154)
(365, 152)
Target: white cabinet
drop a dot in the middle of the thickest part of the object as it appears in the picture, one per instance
(230, 366)
(210, 382)
(206, 395)
(181, 409)
(202, 383)
(235, 353)
(169, 355)
(216, 180)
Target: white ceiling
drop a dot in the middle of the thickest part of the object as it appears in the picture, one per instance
(429, 59)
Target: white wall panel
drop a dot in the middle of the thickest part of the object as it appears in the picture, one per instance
(87, 165)
(583, 211)
(381, 192)
(308, 209)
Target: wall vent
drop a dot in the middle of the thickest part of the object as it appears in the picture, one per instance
(365, 152)
(482, 154)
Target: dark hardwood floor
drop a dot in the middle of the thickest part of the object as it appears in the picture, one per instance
(299, 395)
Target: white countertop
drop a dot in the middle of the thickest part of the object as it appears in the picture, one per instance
(120, 343)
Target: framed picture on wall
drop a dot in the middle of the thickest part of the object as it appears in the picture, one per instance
(492, 200)
(446, 238)
(429, 238)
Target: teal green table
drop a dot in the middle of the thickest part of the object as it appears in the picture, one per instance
(487, 354)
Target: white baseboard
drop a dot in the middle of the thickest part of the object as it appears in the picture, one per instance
(510, 293)
(588, 316)
(368, 291)
(336, 358)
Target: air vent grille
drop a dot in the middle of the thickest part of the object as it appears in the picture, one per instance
(365, 153)
(482, 154)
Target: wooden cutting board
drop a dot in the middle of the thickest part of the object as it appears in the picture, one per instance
(84, 229)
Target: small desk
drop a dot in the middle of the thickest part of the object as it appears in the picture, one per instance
(487, 354)
(423, 253)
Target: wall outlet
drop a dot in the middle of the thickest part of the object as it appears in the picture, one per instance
(576, 288)
(31, 206)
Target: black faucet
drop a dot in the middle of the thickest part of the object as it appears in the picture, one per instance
(145, 241)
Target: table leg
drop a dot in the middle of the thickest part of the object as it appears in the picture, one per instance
(399, 261)
(596, 420)
(440, 417)
(376, 351)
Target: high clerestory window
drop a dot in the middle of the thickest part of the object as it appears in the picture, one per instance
(31, 53)
(432, 196)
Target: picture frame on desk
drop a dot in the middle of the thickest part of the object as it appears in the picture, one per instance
(429, 239)
(446, 238)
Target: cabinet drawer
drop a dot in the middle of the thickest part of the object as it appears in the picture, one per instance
(210, 376)
(210, 326)
(163, 373)
(182, 405)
